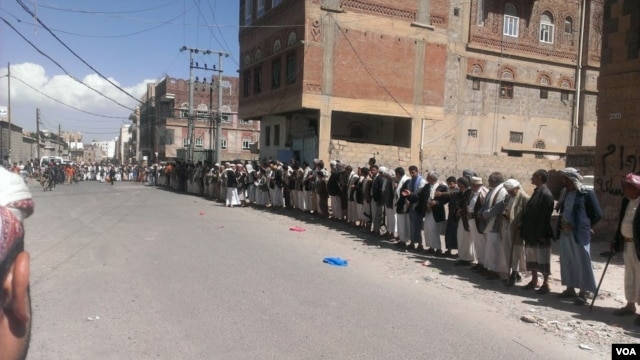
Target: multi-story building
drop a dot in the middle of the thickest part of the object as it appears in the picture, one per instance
(164, 120)
(421, 81)
(617, 144)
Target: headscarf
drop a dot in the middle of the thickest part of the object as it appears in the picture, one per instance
(511, 184)
(633, 180)
(15, 206)
(573, 175)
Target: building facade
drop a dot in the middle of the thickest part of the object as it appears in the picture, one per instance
(164, 121)
(421, 81)
(618, 139)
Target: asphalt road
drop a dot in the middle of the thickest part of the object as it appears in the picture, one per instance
(136, 272)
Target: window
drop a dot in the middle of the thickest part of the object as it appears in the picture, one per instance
(168, 137)
(267, 135)
(185, 142)
(199, 142)
(544, 93)
(275, 3)
(223, 143)
(506, 90)
(276, 68)
(472, 133)
(511, 20)
(293, 38)
(276, 135)
(225, 118)
(246, 143)
(476, 84)
(246, 82)
(568, 25)
(291, 68)
(248, 11)
(260, 8)
(257, 79)
(546, 28)
(564, 96)
(516, 137)
(245, 122)
(184, 113)
(277, 46)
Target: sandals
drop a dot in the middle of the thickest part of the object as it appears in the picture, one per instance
(624, 311)
(567, 294)
(543, 290)
(530, 286)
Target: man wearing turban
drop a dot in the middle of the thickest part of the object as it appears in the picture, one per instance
(627, 241)
(15, 312)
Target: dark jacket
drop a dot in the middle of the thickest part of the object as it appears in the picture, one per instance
(377, 191)
(618, 240)
(438, 210)
(536, 219)
(333, 185)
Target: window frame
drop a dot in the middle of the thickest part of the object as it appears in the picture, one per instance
(276, 76)
(267, 135)
(246, 141)
(291, 65)
(246, 83)
(276, 135)
(257, 79)
(248, 11)
(506, 90)
(511, 21)
(547, 28)
(223, 143)
(544, 93)
(199, 142)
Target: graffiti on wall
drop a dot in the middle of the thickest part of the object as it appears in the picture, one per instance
(619, 159)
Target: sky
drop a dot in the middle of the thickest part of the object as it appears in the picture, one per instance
(130, 43)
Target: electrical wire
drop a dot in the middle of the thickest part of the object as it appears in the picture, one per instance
(74, 53)
(52, 7)
(228, 48)
(65, 104)
(60, 66)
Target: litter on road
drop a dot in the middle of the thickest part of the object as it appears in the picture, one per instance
(296, 228)
(335, 261)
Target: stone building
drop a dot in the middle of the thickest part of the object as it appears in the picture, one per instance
(618, 139)
(164, 120)
(444, 84)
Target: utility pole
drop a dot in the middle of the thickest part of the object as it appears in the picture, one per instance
(138, 158)
(217, 157)
(59, 151)
(192, 66)
(38, 134)
(9, 107)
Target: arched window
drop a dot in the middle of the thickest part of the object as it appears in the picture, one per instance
(277, 46)
(293, 38)
(258, 55)
(511, 20)
(568, 25)
(546, 28)
(247, 60)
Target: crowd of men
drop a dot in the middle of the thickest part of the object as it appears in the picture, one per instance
(498, 230)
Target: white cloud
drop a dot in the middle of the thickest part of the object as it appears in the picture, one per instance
(24, 100)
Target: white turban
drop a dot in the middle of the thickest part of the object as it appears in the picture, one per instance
(511, 184)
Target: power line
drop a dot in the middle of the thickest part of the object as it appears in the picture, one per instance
(76, 55)
(168, 22)
(52, 7)
(213, 15)
(65, 104)
(60, 66)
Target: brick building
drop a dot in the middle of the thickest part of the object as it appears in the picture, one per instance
(164, 120)
(422, 81)
(618, 139)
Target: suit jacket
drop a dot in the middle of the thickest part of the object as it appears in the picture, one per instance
(618, 240)
(536, 219)
(439, 213)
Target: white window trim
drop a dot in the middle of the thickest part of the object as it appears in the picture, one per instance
(223, 143)
(546, 33)
(246, 141)
(511, 23)
(199, 142)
